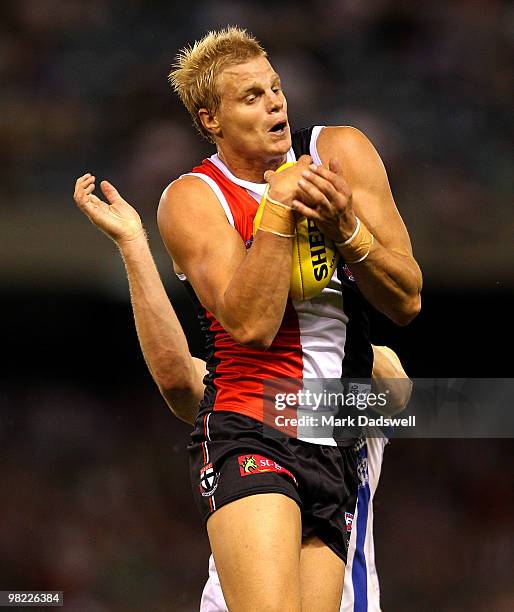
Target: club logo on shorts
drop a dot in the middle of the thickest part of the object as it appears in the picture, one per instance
(257, 464)
(348, 519)
(208, 480)
(248, 465)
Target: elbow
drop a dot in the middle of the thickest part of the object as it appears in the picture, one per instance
(181, 400)
(399, 398)
(169, 389)
(173, 380)
(408, 311)
(260, 343)
(254, 338)
(177, 388)
(398, 392)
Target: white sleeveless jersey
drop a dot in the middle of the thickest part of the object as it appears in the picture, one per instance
(361, 592)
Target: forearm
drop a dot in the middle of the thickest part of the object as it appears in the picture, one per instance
(245, 289)
(160, 334)
(391, 282)
(355, 185)
(391, 380)
(255, 300)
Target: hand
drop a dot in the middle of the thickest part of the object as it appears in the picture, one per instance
(284, 184)
(117, 219)
(326, 198)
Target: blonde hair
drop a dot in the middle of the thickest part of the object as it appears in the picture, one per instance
(194, 74)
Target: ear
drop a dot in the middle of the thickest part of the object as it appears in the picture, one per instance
(210, 122)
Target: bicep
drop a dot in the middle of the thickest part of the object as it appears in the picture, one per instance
(366, 175)
(200, 240)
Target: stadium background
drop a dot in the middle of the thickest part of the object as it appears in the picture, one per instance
(95, 492)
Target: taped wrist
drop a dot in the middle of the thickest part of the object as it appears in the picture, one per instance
(278, 219)
(358, 246)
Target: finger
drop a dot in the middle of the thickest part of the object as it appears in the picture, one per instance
(335, 179)
(314, 197)
(323, 183)
(268, 174)
(86, 183)
(84, 176)
(81, 181)
(335, 166)
(83, 190)
(305, 160)
(306, 211)
(110, 192)
(325, 173)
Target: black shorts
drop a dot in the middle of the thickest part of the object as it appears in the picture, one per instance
(230, 458)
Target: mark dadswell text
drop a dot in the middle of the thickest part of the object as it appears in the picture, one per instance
(362, 420)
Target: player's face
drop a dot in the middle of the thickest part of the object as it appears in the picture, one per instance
(253, 112)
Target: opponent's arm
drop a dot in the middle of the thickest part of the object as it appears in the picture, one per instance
(164, 346)
(245, 289)
(389, 276)
(389, 378)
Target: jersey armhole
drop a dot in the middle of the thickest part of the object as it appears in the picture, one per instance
(313, 149)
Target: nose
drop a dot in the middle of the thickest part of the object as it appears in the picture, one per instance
(275, 101)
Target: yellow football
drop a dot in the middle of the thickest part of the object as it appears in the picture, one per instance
(315, 256)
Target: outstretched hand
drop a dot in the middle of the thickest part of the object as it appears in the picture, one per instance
(117, 218)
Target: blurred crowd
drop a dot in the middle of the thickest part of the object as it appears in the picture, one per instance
(84, 87)
(97, 502)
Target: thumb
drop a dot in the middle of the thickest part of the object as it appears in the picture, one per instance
(110, 192)
(305, 160)
(268, 174)
(335, 166)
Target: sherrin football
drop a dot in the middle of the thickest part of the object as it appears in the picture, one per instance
(315, 257)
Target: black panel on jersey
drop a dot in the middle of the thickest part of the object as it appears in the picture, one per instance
(301, 140)
(358, 355)
(212, 362)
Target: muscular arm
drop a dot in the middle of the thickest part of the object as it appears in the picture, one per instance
(163, 343)
(246, 290)
(389, 277)
(164, 346)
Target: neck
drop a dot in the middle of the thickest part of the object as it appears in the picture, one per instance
(250, 169)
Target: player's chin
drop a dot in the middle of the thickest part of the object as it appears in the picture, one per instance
(280, 142)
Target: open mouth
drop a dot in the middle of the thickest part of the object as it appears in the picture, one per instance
(279, 127)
